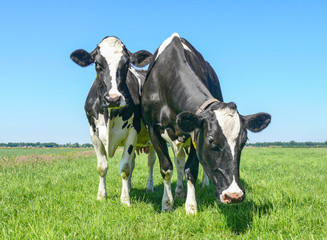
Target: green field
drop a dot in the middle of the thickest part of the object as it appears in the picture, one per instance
(51, 194)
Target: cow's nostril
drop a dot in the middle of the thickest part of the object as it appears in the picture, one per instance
(226, 199)
(106, 98)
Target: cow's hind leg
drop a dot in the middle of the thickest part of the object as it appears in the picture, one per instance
(151, 161)
(102, 164)
(166, 167)
(180, 164)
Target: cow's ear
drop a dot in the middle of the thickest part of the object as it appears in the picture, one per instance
(141, 58)
(257, 122)
(187, 121)
(81, 58)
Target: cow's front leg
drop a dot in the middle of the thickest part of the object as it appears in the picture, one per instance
(102, 164)
(166, 167)
(191, 175)
(126, 166)
(151, 161)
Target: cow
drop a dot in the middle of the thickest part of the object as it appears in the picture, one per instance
(182, 99)
(113, 109)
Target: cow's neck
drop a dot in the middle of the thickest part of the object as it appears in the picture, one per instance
(194, 96)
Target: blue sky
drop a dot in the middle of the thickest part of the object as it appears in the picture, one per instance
(269, 56)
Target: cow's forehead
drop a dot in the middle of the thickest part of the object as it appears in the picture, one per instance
(230, 124)
(111, 48)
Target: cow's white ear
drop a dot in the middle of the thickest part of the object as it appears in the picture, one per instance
(257, 122)
(141, 58)
(187, 121)
(81, 57)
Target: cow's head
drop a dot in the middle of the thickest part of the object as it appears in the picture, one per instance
(112, 61)
(220, 134)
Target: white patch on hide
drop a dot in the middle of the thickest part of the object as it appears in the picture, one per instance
(186, 47)
(166, 43)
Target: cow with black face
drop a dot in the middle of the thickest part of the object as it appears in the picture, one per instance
(113, 108)
(181, 98)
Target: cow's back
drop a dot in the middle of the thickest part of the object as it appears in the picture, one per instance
(202, 69)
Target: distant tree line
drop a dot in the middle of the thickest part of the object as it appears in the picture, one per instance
(288, 144)
(45, 145)
(88, 145)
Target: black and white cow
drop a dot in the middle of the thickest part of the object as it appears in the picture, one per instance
(181, 97)
(113, 109)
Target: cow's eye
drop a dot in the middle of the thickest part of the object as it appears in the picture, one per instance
(210, 140)
(98, 67)
(213, 145)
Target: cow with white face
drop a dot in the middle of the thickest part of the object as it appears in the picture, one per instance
(113, 108)
(181, 98)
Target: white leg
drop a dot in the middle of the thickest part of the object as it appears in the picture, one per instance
(151, 161)
(180, 163)
(126, 166)
(205, 179)
(190, 204)
(167, 198)
(102, 164)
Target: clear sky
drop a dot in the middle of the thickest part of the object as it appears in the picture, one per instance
(270, 56)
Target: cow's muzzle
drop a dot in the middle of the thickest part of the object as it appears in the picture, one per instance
(112, 100)
(229, 198)
(231, 195)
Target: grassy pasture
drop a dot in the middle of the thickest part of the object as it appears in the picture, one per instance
(51, 194)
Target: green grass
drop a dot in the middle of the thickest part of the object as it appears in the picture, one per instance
(51, 194)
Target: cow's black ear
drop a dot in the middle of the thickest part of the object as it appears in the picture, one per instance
(81, 57)
(187, 121)
(141, 58)
(257, 122)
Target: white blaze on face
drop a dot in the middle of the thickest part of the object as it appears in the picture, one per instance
(111, 49)
(229, 121)
(166, 43)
